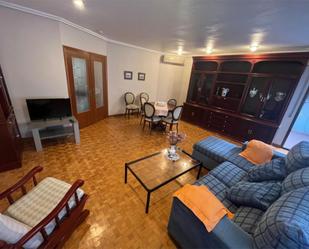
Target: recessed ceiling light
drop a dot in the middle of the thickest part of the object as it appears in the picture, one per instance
(253, 47)
(208, 50)
(79, 4)
(179, 51)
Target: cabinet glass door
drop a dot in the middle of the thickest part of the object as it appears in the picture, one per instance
(275, 98)
(80, 79)
(255, 96)
(204, 88)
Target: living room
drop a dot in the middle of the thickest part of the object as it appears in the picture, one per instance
(138, 124)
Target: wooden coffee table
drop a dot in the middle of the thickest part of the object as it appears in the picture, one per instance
(155, 171)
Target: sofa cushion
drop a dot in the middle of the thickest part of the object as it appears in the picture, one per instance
(228, 173)
(247, 218)
(218, 188)
(216, 148)
(298, 157)
(241, 162)
(40, 201)
(254, 194)
(295, 180)
(286, 223)
(11, 231)
(273, 170)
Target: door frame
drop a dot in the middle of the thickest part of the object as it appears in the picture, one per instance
(95, 115)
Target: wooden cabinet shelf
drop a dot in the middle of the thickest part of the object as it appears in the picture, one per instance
(230, 83)
(256, 92)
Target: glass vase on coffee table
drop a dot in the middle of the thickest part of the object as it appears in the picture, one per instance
(174, 138)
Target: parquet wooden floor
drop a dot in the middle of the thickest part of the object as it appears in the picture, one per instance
(117, 218)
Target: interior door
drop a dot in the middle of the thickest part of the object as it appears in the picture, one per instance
(79, 84)
(99, 79)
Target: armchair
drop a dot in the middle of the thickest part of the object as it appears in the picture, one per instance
(59, 223)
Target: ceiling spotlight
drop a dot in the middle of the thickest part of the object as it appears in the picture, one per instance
(79, 4)
(208, 50)
(253, 47)
(179, 51)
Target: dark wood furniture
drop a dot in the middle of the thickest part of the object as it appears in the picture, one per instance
(10, 145)
(64, 228)
(242, 96)
(155, 171)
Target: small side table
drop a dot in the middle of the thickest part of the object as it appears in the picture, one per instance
(54, 128)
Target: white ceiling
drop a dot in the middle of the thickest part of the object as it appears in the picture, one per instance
(229, 26)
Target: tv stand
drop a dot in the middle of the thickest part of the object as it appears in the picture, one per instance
(54, 128)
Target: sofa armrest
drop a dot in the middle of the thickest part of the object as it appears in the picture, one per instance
(189, 232)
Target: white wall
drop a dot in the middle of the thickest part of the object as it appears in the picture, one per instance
(186, 74)
(75, 38)
(31, 56)
(169, 82)
(121, 58)
(31, 59)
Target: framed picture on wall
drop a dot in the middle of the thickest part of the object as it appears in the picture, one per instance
(128, 75)
(141, 76)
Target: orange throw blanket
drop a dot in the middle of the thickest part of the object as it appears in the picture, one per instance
(203, 204)
(257, 152)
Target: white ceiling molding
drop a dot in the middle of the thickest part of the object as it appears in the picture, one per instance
(67, 22)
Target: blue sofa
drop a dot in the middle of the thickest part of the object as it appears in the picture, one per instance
(251, 227)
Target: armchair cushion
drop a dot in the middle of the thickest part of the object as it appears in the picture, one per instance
(273, 170)
(132, 106)
(12, 230)
(254, 194)
(40, 201)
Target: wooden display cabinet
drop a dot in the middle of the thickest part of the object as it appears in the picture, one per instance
(10, 145)
(243, 96)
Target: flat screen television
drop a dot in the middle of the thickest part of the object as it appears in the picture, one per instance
(42, 109)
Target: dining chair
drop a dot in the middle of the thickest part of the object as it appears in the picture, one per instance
(129, 99)
(144, 95)
(142, 103)
(172, 102)
(173, 119)
(150, 117)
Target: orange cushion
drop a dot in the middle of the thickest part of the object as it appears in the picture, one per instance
(257, 152)
(204, 204)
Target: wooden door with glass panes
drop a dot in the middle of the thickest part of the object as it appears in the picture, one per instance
(87, 84)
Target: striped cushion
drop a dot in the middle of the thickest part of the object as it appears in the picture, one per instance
(40, 201)
(12, 231)
(218, 189)
(285, 225)
(216, 149)
(247, 218)
(254, 194)
(228, 173)
(295, 180)
(298, 157)
(273, 170)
